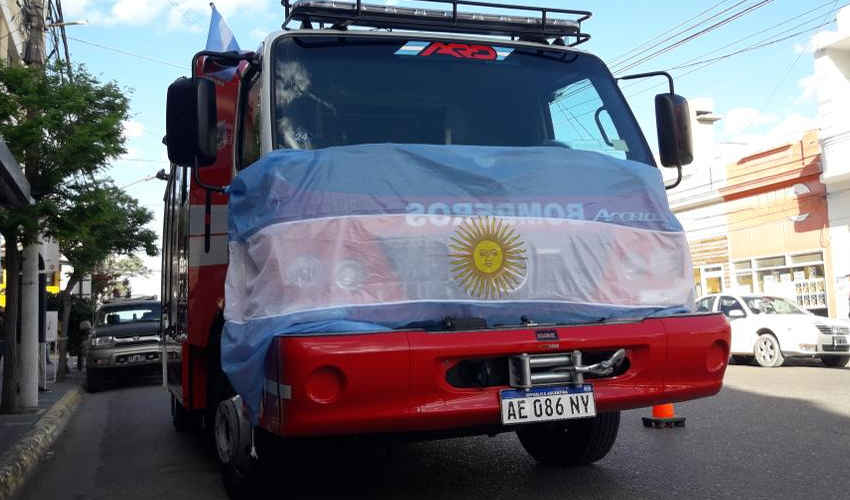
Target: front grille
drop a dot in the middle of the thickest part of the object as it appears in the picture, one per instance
(141, 339)
(830, 330)
(836, 348)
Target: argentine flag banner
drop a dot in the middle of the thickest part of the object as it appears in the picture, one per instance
(378, 237)
(220, 38)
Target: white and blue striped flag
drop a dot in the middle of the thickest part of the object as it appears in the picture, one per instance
(220, 38)
(375, 237)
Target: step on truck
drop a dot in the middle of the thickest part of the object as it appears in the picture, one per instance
(424, 222)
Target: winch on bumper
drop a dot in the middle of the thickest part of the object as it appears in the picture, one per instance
(423, 381)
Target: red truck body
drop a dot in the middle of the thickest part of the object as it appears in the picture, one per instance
(401, 381)
(397, 381)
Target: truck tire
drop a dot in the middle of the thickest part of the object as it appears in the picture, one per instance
(233, 435)
(94, 380)
(572, 442)
(835, 361)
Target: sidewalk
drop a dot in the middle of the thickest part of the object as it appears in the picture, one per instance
(26, 437)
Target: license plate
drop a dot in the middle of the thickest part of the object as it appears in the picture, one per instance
(839, 340)
(543, 404)
(136, 358)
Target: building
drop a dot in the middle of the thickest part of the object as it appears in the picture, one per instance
(14, 188)
(832, 89)
(761, 221)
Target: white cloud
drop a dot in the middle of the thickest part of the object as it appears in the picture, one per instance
(809, 86)
(191, 15)
(75, 10)
(791, 128)
(739, 120)
(135, 12)
(133, 129)
(258, 35)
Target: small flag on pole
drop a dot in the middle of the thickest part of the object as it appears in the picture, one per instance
(220, 38)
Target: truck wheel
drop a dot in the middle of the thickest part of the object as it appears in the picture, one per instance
(94, 380)
(835, 361)
(180, 418)
(233, 443)
(573, 442)
(767, 351)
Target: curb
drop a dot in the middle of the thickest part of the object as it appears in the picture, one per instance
(18, 463)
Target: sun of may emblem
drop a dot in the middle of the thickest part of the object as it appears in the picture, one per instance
(488, 258)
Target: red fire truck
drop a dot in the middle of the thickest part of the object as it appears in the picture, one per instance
(345, 76)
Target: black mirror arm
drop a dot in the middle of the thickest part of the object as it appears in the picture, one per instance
(651, 74)
(678, 178)
(672, 91)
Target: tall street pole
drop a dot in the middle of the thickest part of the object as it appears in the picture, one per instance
(29, 352)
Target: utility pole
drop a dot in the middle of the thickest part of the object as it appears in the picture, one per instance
(29, 352)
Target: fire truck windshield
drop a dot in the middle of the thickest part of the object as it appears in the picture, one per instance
(333, 91)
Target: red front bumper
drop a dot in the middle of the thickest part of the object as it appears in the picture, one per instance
(396, 381)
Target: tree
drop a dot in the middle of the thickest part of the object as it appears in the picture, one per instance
(98, 221)
(111, 278)
(64, 132)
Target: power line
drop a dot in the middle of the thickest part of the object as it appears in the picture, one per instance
(698, 34)
(791, 67)
(691, 37)
(686, 30)
(126, 53)
(622, 57)
(770, 28)
(758, 45)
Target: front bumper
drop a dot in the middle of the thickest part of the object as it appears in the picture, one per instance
(398, 382)
(820, 345)
(128, 356)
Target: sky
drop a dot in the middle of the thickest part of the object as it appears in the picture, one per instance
(764, 95)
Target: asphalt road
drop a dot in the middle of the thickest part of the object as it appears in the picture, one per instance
(771, 433)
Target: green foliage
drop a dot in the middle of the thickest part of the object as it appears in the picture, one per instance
(62, 132)
(97, 220)
(112, 276)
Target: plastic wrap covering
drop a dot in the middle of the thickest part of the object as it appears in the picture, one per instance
(375, 237)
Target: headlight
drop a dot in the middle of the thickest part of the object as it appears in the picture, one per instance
(102, 341)
(303, 272)
(349, 275)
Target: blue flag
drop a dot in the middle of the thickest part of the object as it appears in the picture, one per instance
(220, 38)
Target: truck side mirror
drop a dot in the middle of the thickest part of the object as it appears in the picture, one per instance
(672, 117)
(190, 122)
(85, 325)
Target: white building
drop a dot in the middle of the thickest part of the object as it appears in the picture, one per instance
(832, 84)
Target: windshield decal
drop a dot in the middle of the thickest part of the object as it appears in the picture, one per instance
(454, 49)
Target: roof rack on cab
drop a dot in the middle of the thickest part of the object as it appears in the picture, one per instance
(341, 15)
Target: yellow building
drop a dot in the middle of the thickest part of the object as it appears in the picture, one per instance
(51, 287)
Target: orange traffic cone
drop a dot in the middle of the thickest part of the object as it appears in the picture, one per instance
(663, 416)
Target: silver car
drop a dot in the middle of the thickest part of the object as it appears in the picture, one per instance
(126, 336)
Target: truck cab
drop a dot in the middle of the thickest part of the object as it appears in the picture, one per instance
(407, 137)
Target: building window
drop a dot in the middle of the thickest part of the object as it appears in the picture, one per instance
(770, 262)
(799, 277)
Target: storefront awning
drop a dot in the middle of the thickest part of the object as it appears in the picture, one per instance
(14, 188)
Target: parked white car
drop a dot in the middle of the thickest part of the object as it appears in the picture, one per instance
(771, 329)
